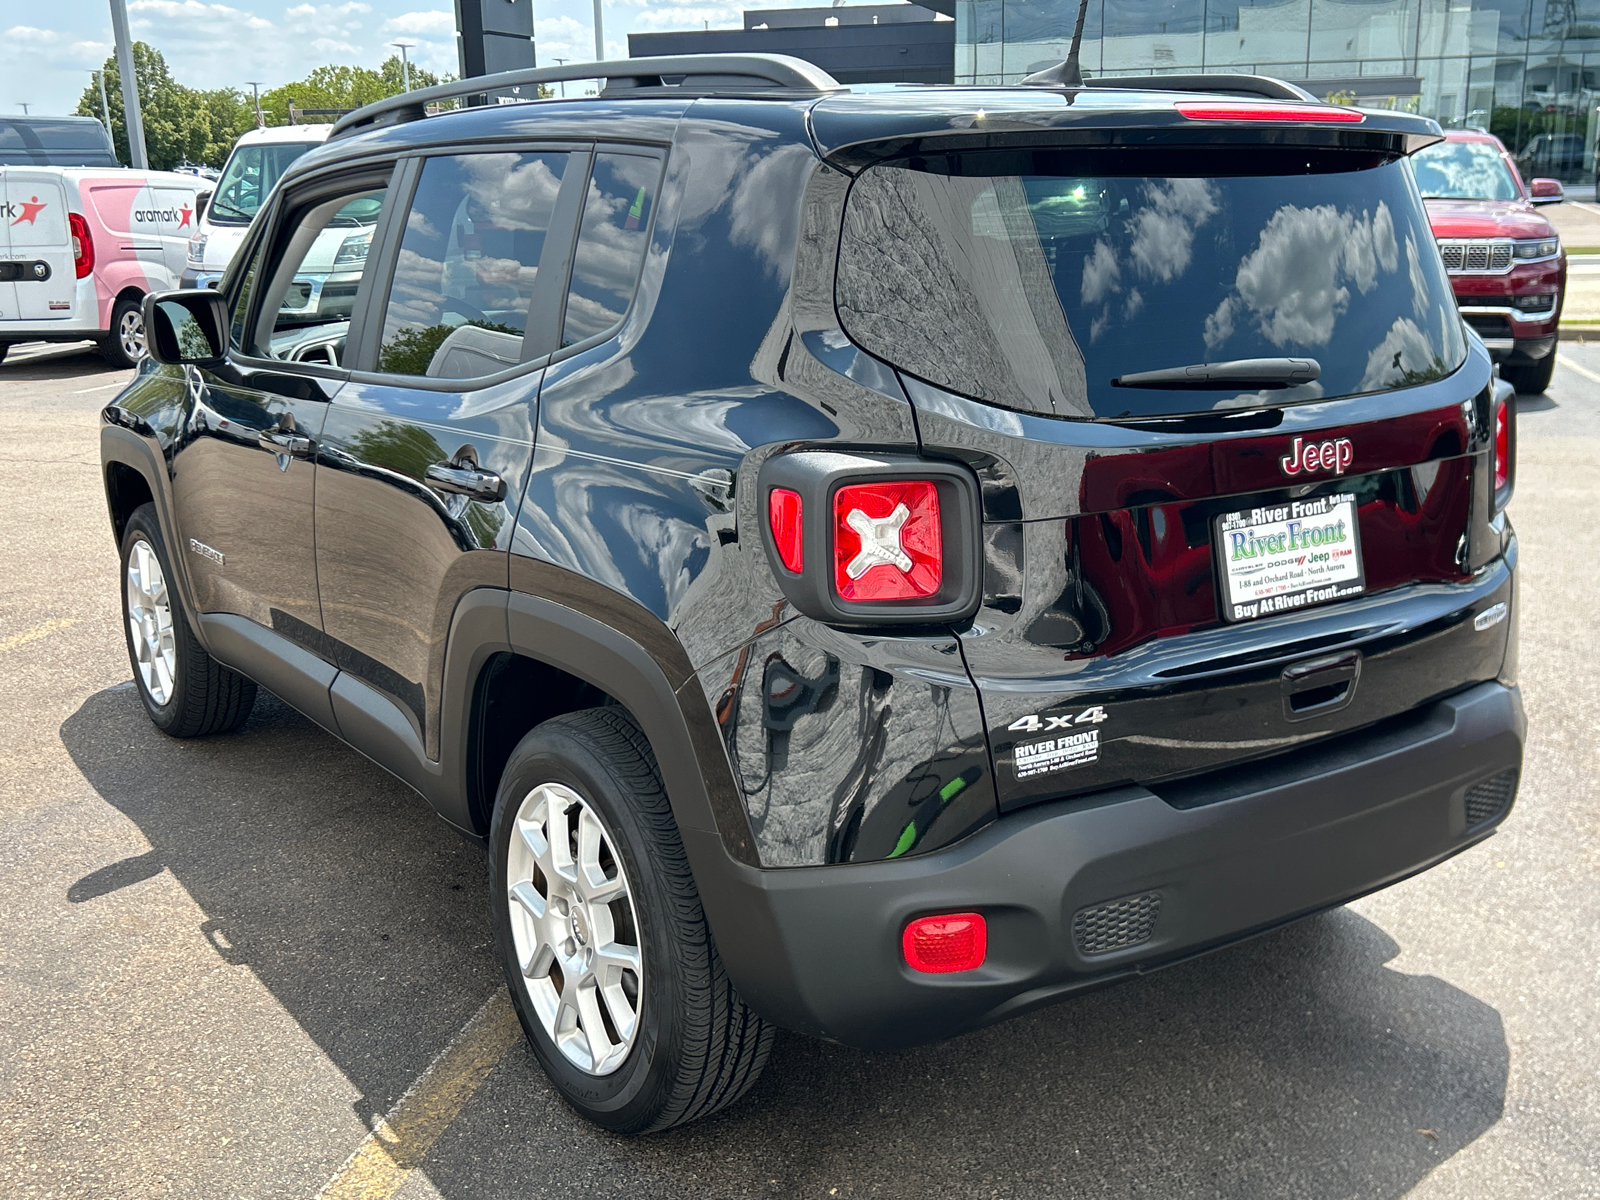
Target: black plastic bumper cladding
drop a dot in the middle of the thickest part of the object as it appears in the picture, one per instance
(817, 949)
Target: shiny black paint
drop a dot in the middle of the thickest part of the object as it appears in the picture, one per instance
(394, 555)
(242, 483)
(627, 553)
(641, 453)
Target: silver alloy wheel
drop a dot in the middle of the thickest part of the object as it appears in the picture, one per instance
(150, 622)
(574, 929)
(130, 334)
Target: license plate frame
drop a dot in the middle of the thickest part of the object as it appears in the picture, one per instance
(1278, 558)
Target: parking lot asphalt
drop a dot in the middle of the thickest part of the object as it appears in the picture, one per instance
(224, 962)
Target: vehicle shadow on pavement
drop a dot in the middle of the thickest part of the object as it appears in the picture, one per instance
(1297, 1064)
(67, 362)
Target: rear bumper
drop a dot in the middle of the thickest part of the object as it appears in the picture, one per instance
(817, 949)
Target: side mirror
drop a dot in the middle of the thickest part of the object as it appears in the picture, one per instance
(187, 328)
(1546, 191)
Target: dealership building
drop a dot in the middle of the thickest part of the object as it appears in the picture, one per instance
(1455, 60)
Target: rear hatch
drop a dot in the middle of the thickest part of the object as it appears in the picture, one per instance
(1235, 448)
(38, 247)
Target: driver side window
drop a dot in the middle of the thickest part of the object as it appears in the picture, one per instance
(304, 315)
(468, 260)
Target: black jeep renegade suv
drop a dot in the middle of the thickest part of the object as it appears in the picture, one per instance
(870, 562)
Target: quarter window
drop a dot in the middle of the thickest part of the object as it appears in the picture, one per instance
(468, 262)
(611, 243)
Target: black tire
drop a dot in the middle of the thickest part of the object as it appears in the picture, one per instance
(698, 1047)
(204, 697)
(112, 347)
(5, 347)
(1530, 379)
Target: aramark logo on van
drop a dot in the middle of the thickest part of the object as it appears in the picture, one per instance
(169, 215)
(28, 210)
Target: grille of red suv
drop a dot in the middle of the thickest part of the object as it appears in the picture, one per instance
(1475, 256)
(1488, 798)
(1117, 924)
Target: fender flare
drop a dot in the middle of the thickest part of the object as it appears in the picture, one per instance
(131, 448)
(689, 751)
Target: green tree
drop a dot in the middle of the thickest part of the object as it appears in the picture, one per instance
(343, 88)
(181, 124)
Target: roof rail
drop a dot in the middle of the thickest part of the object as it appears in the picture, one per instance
(693, 73)
(1262, 86)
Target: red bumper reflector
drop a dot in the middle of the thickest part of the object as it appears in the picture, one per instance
(783, 515)
(946, 943)
(1325, 113)
(887, 541)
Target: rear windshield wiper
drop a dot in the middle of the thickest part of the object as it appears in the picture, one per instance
(1243, 372)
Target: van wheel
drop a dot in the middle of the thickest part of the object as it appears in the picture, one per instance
(124, 347)
(599, 927)
(1530, 379)
(186, 692)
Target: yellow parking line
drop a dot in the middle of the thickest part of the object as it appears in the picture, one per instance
(37, 632)
(397, 1146)
(1566, 362)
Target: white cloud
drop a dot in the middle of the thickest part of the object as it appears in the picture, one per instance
(1404, 349)
(437, 23)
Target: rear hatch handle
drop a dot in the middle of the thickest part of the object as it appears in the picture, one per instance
(1319, 686)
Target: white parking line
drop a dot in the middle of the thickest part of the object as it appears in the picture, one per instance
(1591, 376)
(101, 388)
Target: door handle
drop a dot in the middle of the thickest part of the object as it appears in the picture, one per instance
(466, 479)
(284, 442)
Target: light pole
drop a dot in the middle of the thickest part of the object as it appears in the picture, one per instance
(255, 90)
(131, 116)
(561, 62)
(405, 63)
(105, 105)
(22, 106)
(599, 34)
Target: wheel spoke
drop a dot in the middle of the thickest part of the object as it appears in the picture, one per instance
(623, 1015)
(532, 903)
(594, 1026)
(618, 956)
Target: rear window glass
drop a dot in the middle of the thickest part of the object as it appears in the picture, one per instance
(58, 143)
(1464, 171)
(1034, 280)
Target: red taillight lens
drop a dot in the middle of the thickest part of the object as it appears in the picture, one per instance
(1326, 114)
(783, 515)
(887, 541)
(82, 245)
(950, 942)
(1502, 446)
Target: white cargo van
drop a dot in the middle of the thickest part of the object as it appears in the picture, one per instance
(80, 247)
(259, 158)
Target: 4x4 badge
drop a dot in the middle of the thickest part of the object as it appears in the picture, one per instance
(1333, 456)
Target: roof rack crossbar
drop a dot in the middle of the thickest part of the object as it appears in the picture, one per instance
(1263, 86)
(763, 73)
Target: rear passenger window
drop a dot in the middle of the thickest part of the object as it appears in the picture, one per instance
(468, 261)
(611, 243)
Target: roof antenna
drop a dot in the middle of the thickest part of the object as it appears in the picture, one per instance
(1064, 74)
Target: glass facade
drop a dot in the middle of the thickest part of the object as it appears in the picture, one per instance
(1526, 70)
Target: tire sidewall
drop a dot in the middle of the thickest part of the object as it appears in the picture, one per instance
(624, 1098)
(144, 527)
(111, 348)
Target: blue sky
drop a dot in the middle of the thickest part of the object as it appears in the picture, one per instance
(49, 46)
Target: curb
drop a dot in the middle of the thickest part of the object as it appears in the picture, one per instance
(1579, 333)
